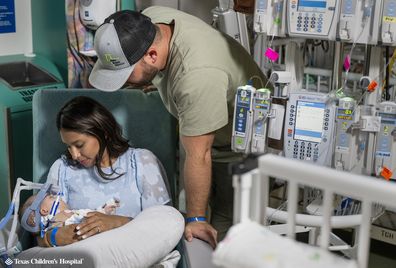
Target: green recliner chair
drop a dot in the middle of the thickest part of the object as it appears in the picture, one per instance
(143, 118)
(145, 122)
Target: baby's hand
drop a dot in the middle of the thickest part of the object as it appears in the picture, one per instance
(110, 207)
(110, 210)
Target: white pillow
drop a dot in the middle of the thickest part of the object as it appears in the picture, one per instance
(140, 243)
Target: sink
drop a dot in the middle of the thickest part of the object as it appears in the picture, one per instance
(24, 74)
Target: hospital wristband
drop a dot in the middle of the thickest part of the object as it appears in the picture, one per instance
(192, 219)
(53, 238)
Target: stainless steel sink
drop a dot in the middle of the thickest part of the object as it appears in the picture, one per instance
(24, 74)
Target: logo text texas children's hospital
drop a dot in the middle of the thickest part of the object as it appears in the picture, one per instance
(40, 261)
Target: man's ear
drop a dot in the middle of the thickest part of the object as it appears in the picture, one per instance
(151, 55)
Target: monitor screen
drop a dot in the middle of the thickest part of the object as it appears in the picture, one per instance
(344, 114)
(309, 121)
(388, 118)
(312, 5)
(242, 109)
(260, 103)
(244, 100)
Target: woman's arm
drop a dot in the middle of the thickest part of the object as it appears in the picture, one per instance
(151, 179)
(64, 236)
(43, 241)
(94, 223)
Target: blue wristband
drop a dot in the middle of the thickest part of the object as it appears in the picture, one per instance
(192, 219)
(52, 237)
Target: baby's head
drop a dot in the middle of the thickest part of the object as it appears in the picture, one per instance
(45, 207)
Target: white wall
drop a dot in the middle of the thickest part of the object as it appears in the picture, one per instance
(19, 42)
(199, 8)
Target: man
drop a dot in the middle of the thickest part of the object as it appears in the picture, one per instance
(197, 71)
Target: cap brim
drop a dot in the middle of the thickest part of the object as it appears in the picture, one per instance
(109, 80)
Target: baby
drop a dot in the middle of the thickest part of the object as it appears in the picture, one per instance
(64, 216)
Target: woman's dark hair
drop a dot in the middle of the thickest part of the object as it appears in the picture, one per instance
(86, 116)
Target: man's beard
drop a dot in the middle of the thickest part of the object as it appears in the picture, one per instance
(149, 72)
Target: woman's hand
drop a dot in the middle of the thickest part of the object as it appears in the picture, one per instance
(64, 236)
(96, 222)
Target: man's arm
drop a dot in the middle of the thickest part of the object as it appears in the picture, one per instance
(197, 183)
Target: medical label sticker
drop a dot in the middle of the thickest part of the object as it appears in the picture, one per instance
(390, 19)
(7, 16)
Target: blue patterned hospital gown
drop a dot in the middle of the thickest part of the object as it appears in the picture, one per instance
(140, 187)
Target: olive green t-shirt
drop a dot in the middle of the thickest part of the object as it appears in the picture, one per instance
(204, 68)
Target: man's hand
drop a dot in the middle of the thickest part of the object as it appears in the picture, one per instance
(201, 230)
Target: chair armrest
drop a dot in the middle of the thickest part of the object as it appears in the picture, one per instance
(197, 254)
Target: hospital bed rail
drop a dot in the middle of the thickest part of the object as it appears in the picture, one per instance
(251, 198)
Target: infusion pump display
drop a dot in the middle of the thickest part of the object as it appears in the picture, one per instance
(309, 121)
(242, 123)
(385, 154)
(309, 128)
(316, 18)
(388, 29)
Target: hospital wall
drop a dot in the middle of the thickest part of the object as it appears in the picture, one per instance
(39, 30)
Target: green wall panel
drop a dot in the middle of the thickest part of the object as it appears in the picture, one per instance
(49, 32)
(127, 4)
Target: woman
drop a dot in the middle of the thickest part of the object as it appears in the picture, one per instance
(99, 165)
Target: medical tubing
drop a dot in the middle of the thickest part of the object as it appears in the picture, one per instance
(55, 205)
(272, 38)
(20, 185)
(7, 217)
(270, 81)
(15, 202)
(351, 51)
(194, 219)
(53, 238)
(376, 78)
(350, 59)
(258, 78)
(275, 21)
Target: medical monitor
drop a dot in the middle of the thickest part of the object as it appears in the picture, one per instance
(314, 19)
(309, 121)
(309, 127)
(312, 6)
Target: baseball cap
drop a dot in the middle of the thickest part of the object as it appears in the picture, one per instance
(120, 42)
